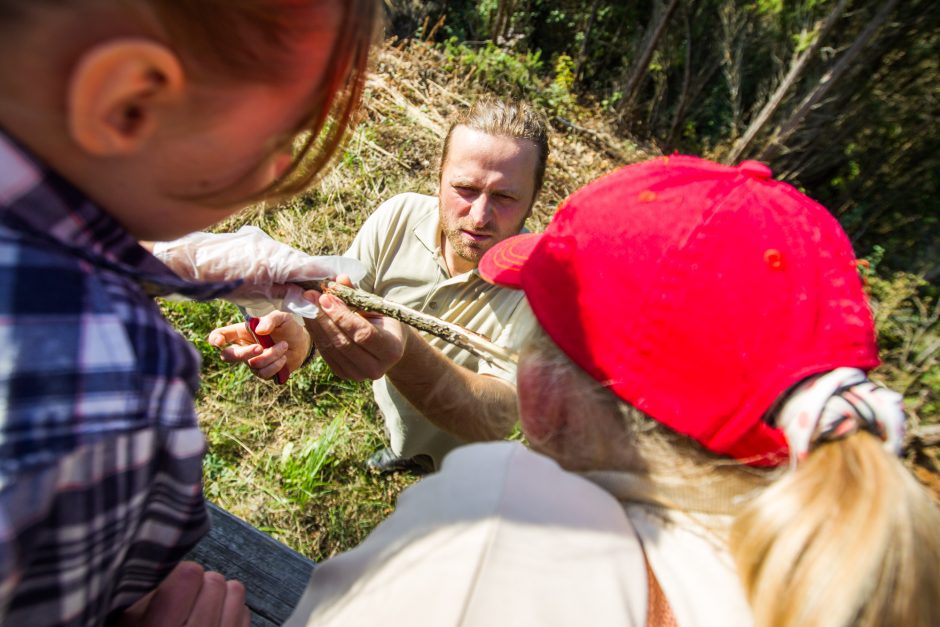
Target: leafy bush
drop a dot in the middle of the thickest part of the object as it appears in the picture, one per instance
(519, 74)
(494, 67)
(907, 316)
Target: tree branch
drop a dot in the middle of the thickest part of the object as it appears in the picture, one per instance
(471, 342)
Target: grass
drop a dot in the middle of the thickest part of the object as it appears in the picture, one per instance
(290, 459)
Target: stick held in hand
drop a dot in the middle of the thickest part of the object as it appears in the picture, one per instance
(472, 342)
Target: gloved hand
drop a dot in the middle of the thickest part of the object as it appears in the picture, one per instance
(270, 269)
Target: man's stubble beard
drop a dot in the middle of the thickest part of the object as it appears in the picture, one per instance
(463, 249)
(468, 251)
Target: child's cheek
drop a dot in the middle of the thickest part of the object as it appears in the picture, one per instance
(280, 166)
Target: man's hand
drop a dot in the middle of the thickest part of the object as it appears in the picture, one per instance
(356, 346)
(292, 344)
(190, 596)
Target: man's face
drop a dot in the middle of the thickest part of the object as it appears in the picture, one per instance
(487, 190)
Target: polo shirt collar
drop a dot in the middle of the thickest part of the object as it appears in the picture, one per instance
(428, 231)
(44, 207)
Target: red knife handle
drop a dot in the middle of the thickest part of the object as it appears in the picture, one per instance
(267, 342)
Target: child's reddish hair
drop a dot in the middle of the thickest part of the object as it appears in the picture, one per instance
(256, 39)
(243, 40)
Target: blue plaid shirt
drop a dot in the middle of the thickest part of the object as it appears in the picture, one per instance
(100, 454)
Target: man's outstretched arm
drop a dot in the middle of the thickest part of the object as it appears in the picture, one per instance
(469, 405)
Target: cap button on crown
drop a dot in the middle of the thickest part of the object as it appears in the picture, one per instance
(756, 169)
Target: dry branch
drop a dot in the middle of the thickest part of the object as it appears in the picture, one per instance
(468, 340)
(924, 436)
(599, 141)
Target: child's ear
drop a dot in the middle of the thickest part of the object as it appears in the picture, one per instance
(118, 94)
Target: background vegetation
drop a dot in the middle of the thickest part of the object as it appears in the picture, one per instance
(839, 97)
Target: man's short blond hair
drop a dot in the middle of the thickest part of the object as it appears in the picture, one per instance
(505, 118)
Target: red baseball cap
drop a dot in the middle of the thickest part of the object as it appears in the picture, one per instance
(699, 293)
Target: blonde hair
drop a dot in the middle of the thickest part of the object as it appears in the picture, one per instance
(505, 118)
(848, 538)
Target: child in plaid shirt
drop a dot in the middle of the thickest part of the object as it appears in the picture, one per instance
(121, 122)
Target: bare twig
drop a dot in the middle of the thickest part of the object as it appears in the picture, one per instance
(600, 142)
(468, 340)
(926, 435)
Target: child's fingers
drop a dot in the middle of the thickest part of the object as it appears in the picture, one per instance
(231, 334)
(281, 327)
(238, 354)
(268, 371)
(268, 356)
(268, 323)
(234, 611)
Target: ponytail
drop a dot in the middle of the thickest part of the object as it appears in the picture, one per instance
(848, 538)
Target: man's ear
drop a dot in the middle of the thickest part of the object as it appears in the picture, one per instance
(118, 94)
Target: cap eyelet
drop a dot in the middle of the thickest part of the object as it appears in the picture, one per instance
(773, 258)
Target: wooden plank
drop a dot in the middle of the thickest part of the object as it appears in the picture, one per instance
(274, 575)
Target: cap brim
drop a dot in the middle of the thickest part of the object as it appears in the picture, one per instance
(502, 264)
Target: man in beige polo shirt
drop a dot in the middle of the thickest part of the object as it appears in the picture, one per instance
(422, 251)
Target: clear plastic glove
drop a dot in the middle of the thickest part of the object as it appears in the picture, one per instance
(269, 268)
